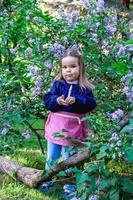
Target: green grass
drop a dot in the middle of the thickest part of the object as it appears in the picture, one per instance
(29, 155)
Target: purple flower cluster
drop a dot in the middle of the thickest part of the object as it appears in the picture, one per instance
(4, 12)
(62, 14)
(122, 51)
(26, 135)
(14, 50)
(125, 49)
(94, 197)
(94, 37)
(100, 6)
(115, 145)
(48, 64)
(57, 50)
(129, 93)
(33, 70)
(37, 89)
(28, 52)
(116, 115)
(130, 36)
(110, 29)
(73, 18)
(111, 20)
(126, 78)
(5, 130)
(128, 89)
(30, 41)
(86, 4)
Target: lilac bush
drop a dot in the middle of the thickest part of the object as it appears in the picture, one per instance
(100, 6)
(32, 42)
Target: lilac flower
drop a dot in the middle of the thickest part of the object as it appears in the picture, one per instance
(28, 51)
(37, 89)
(75, 198)
(33, 69)
(113, 156)
(86, 4)
(30, 41)
(57, 50)
(122, 51)
(117, 114)
(114, 137)
(26, 134)
(94, 37)
(73, 18)
(62, 14)
(114, 116)
(114, 18)
(112, 145)
(94, 197)
(39, 81)
(100, 6)
(110, 29)
(4, 12)
(111, 20)
(14, 50)
(129, 47)
(130, 100)
(104, 42)
(5, 130)
(130, 36)
(48, 64)
(125, 78)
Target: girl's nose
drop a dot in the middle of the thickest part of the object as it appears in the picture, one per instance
(68, 69)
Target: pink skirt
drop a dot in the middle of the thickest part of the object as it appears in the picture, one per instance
(65, 128)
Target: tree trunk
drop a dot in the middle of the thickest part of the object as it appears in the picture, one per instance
(32, 177)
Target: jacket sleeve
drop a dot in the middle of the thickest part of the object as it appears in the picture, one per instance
(85, 101)
(50, 99)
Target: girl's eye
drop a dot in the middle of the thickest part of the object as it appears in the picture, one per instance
(73, 66)
(64, 67)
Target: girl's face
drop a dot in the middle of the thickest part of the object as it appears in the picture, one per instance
(70, 68)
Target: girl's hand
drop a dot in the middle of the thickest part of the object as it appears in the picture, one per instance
(62, 101)
(67, 101)
(70, 100)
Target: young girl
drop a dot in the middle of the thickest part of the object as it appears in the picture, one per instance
(69, 99)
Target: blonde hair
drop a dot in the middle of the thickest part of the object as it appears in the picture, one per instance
(83, 82)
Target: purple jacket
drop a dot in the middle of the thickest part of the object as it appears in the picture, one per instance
(85, 101)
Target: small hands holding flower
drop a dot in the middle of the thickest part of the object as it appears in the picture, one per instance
(66, 102)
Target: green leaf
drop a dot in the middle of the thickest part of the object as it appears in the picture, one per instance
(129, 155)
(91, 168)
(103, 185)
(101, 86)
(129, 41)
(127, 185)
(61, 174)
(82, 177)
(114, 194)
(101, 154)
(58, 135)
(127, 129)
(120, 68)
